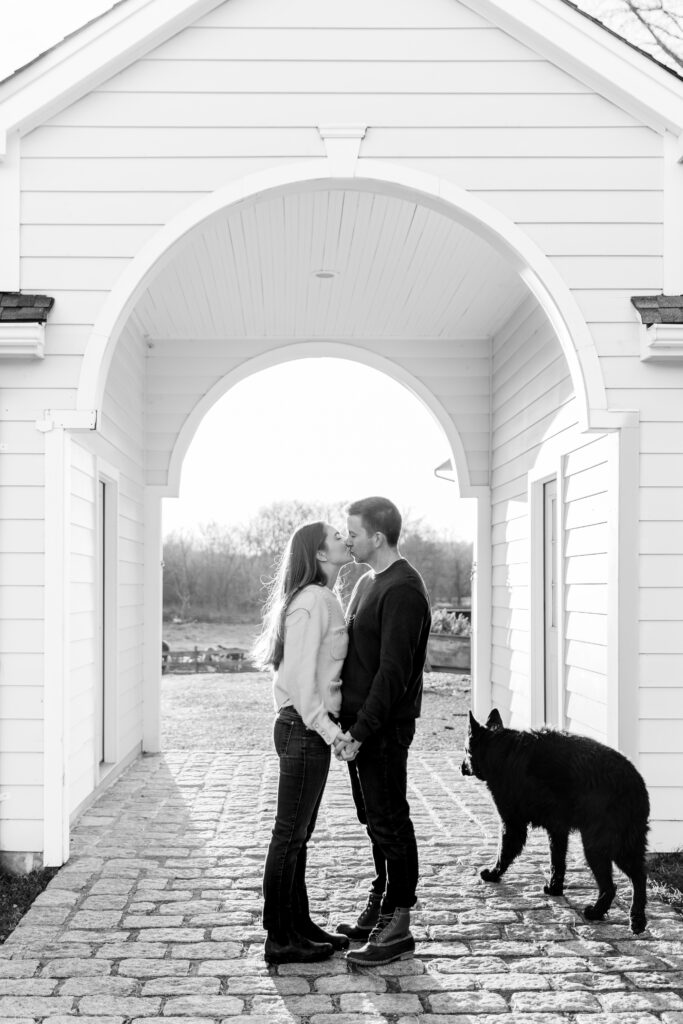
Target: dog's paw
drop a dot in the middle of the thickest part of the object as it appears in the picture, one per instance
(638, 923)
(592, 914)
(554, 889)
(490, 874)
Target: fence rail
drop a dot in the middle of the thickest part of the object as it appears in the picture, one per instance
(213, 659)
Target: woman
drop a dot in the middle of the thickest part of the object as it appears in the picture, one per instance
(304, 639)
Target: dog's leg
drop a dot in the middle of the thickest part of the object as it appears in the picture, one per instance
(512, 840)
(600, 864)
(558, 862)
(635, 869)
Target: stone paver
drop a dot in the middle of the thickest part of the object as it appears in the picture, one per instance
(156, 917)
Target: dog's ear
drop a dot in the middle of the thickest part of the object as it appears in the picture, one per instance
(494, 721)
(475, 727)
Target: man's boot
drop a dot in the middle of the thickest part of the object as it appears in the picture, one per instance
(314, 933)
(389, 940)
(290, 948)
(367, 919)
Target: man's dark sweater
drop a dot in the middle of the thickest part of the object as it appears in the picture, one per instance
(389, 620)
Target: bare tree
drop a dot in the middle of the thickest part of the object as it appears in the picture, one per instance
(654, 25)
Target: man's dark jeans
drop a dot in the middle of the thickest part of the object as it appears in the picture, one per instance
(304, 766)
(379, 785)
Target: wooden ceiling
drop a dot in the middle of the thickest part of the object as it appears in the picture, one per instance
(401, 271)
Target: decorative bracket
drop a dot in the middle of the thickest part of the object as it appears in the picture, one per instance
(661, 334)
(661, 342)
(22, 341)
(68, 419)
(342, 145)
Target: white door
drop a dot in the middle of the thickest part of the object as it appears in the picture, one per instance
(551, 702)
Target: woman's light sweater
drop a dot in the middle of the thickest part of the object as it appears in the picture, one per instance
(315, 647)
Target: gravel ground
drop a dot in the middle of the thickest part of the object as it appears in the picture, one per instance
(223, 712)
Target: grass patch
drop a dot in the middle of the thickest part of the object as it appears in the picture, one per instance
(17, 893)
(665, 877)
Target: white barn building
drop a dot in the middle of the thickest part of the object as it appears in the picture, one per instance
(492, 183)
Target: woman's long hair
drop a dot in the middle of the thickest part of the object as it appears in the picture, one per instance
(298, 568)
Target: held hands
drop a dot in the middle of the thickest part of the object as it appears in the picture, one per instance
(345, 747)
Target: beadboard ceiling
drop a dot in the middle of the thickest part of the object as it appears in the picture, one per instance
(401, 270)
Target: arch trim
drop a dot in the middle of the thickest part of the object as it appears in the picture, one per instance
(534, 267)
(320, 349)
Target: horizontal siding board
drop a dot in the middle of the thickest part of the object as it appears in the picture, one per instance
(661, 736)
(22, 502)
(588, 598)
(20, 836)
(590, 656)
(587, 540)
(660, 769)
(659, 669)
(240, 77)
(589, 511)
(661, 603)
(586, 626)
(61, 207)
(661, 638)
(21, 601)
(379, 142)
(25, 766)
(273, 109)
(359, 44)
(21, 703)
(591, 685)
(660, 702)
(22, 669)
(593, 206)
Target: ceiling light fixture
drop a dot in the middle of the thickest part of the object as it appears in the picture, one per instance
(325, 275)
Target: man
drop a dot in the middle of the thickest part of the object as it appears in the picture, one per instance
(388, 621)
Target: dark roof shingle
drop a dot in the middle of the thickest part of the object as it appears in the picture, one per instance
(659, 309)
(15, 307)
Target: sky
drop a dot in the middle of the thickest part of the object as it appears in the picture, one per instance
(322, 430)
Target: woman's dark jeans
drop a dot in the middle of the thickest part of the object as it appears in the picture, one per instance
(379, 781)
(304, 766)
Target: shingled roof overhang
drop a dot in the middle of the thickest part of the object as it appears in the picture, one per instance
(555, 29)
(17, 308)
(659, 309)
(661, 333)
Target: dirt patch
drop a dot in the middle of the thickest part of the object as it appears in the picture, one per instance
(235, 712)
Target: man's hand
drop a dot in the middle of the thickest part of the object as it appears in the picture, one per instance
(345, 747)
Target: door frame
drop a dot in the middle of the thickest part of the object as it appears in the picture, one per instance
(548, 470)
(105, 696)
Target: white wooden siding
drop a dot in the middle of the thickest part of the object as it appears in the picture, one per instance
(533, 411)
(83, 650)
(21, 625)
(123, 430)
(587, 536)
(661, 602)
(532, 402)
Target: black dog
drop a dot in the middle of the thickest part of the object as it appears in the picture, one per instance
(561, 782)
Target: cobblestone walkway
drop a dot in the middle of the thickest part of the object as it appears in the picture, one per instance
(156, 916)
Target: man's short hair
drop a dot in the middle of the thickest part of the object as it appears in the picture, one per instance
(379, 515)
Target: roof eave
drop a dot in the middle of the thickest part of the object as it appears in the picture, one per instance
(596, 56)
(90, 56)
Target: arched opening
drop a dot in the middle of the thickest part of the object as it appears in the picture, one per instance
(296, 440)
(397, 270)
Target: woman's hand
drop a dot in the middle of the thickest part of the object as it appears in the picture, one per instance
(345, 747)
